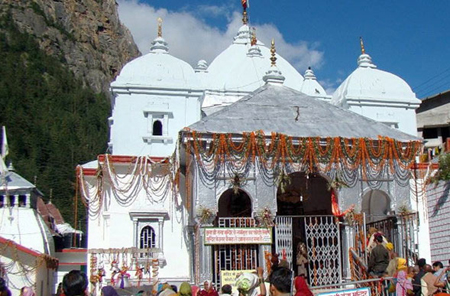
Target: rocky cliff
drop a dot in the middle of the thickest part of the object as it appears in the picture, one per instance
(86, 35)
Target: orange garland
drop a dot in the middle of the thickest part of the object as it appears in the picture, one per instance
(278, 149)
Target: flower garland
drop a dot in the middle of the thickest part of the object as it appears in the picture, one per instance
(370, 156)
(156, 179)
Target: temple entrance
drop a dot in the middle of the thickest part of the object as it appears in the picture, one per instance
(376, 204)
(306, 232)
(235, 210)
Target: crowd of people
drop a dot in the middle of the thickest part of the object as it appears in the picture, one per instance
(421, 279)
(279, 283)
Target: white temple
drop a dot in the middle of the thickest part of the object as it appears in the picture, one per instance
(171, 130)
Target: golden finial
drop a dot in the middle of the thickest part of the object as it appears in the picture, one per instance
(363, 51)
(244, 14)
(273, 51)
(254, 40)
(159, 27)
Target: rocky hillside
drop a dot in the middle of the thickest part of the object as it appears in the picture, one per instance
(85, 35)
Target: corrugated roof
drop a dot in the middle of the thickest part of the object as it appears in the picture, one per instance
(280, 109)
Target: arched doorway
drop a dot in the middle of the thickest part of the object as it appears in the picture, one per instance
(376, 204)
(235, 211)
(306, 231)
(235, 204)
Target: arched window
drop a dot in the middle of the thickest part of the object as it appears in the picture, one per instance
(147, 238)
(157, 128)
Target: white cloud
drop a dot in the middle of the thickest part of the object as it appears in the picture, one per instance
(191, 39)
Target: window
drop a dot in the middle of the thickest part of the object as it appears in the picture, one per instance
(147, 238)
(157, 128)
(22, 200)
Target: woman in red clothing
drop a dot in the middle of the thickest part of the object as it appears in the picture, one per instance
(301, 287)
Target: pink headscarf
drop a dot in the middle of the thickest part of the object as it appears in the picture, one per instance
(27, 291)
(403, 284)
(194, 290)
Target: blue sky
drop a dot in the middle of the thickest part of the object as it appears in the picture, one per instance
(408, 38)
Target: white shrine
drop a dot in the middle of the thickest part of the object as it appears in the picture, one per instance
(190, 153)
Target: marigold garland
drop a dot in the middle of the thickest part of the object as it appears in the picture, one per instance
(313, 153)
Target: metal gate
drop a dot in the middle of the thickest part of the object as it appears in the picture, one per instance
(324, 250)
(322, 238)
(235, 257)
(283, 237)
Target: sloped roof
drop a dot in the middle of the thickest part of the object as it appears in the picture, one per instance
(280, 109)
(15, 182)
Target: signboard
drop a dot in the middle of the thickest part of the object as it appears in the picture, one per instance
(352, 292)
(232, 236)
(228, 277)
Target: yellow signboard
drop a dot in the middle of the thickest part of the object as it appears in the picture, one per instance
(228, 277)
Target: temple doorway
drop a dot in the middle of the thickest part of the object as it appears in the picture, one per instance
(235, 211)
(306, 232)
(376, 204)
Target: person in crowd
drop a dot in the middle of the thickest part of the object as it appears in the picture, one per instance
(247, 283)
(417, 288)
(109, 291)
(404, 286)
(373, 234)
(174, 288)
(27, 291)
(393, 256)
(427, 281)
(208, 290)
(167, 290)
(379, 258)
(185, 289)
(280, 282)
(441, 276)
(301, 286)
(59, 290)
(75, 283)
(195, 289)
(226, 290)
(4, 291)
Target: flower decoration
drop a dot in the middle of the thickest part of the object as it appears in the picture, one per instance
(265, 218)
(337, 184)
(205, 215)
(349, 217)
(236, 183)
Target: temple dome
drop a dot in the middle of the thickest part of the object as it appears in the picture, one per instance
(367, 83)
(312, 87)
(157, 69)
(242, 66)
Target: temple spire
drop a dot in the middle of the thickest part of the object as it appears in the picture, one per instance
(159, 27)
(273, 51)
(273, 76)
(363, 51)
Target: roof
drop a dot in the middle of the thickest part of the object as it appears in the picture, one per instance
(241, 66)
(367, 83)
(157, 69)
(280, 109)
(15, 182)
(311, 86)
